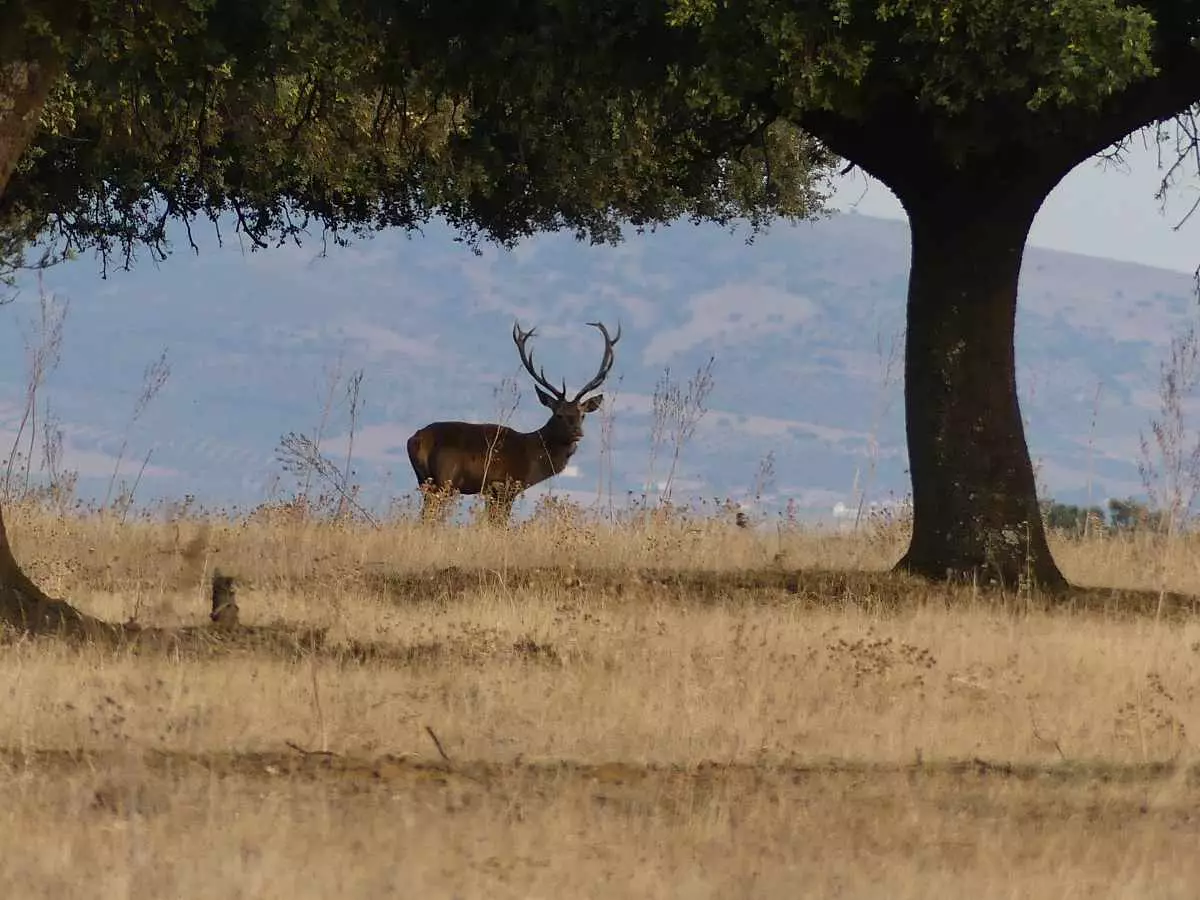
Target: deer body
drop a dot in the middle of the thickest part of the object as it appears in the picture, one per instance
(470, 456)
(501, 462)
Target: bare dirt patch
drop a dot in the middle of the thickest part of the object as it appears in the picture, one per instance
(878, 591)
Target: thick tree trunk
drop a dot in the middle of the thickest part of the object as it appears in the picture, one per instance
(24, 87)
(26, 607)
(975, 503)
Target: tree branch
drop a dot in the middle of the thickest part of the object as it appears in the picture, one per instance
(881, 143)
(899, 144)
(919, 155)
(1168, 94)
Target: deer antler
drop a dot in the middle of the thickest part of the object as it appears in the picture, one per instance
(606, 363)
(519, 338)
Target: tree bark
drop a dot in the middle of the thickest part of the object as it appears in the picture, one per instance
(24, 87)
(975, 507)
(25, 607)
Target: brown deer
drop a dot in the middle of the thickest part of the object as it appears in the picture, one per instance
(500, 462)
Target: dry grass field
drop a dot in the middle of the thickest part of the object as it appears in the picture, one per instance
(671, 709)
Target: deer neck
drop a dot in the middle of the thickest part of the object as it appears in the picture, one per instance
(554, 449)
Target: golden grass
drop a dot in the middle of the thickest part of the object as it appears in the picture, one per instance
(523, 834)
(672, 709)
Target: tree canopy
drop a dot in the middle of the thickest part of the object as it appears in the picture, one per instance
(343, 117)
(515, 117)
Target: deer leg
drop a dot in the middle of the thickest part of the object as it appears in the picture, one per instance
(433, 502)
(426, 500)
(500, 499)
(491, 504)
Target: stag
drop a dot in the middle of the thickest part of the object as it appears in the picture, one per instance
(500, 462)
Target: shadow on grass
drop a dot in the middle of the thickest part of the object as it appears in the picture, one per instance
(879, 591)
(331, 767)
(875, 592)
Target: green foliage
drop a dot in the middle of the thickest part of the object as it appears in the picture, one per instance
(947, 54)
(1059, 52)
(1073, 520)
(958, 78)
(519, 116)
(351, 117)
(1127, 516)
(1130, 515)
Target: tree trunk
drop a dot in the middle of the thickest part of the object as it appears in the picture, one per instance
(975, 507)
(25, 607)
(24, 87)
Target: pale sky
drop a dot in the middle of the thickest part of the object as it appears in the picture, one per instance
(1098, 209)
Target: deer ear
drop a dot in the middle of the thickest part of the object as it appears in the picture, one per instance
(593, 403)
(546, 399)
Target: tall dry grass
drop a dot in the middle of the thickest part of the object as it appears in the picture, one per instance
(610, 731)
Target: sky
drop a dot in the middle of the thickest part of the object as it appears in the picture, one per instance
(1098, 210)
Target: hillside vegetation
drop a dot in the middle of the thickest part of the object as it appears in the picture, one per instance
(805, 324)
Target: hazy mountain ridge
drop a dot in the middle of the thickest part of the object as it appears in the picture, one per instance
(802, 324)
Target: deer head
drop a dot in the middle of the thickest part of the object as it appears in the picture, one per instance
(566, 420)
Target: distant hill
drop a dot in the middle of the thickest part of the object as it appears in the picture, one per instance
(801, 323)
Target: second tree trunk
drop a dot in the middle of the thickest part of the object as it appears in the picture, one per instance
(975, 506)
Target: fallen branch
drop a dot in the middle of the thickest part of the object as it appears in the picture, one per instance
(303, 751)
(438, 744)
